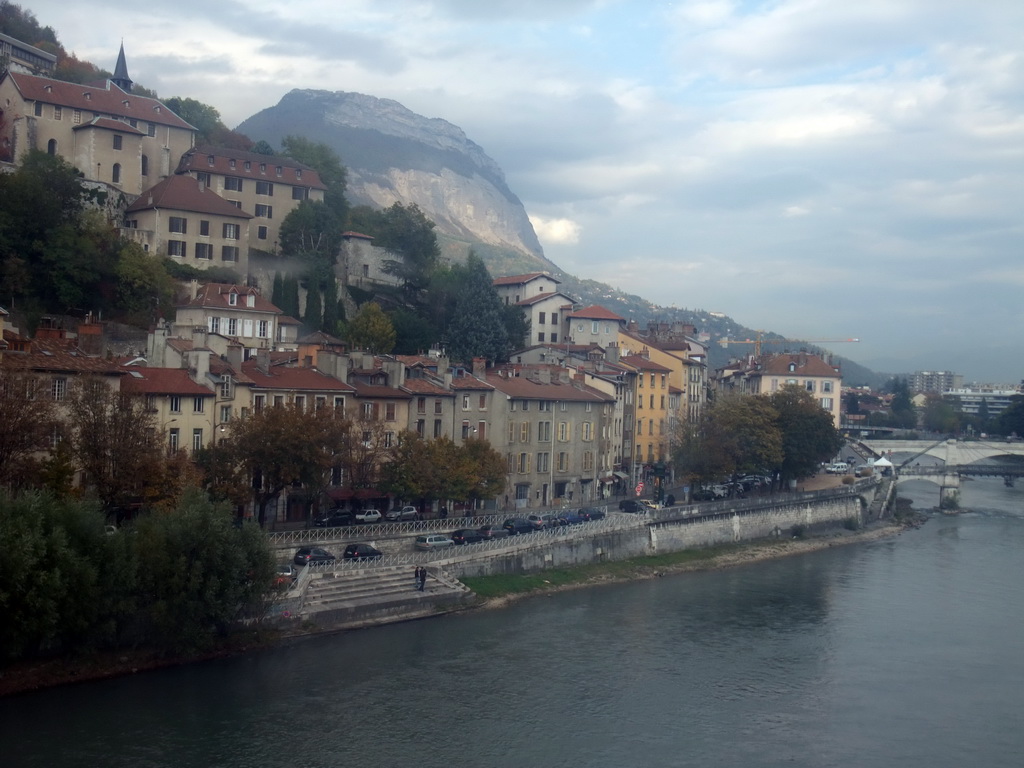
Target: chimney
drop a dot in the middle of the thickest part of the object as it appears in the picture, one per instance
(480, 367)
(263, 360)
(199, 364)
(235, 355)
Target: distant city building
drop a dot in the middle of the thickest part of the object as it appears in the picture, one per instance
(970, 399)
(934, 381)
(17, 56)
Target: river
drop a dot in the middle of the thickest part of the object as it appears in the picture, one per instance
(901, 652)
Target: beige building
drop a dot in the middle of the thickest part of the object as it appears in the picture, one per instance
(112, 136)
(769, 373)
(266, 188)
(185, 220)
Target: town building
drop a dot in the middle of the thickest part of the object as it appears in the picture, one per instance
(770, 372)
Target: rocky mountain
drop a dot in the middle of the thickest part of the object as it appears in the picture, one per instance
(394, 155)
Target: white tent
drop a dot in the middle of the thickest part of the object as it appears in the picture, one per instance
(882, 462)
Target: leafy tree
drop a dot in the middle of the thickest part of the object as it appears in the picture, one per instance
(407, 232)
(486, 469)
(941, 415)
(745, 432)
(372, 330)
(1011, 420)
(115, 443)
(311, 232)
(809, 436)
(145, 291)
(207, 122)
(407, 469)
(327, 164)
(477, 328)
(199, 573)
(27, 419)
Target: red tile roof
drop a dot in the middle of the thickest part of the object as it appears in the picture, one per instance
(524, 388)
(60, 356)
(162, 381)
(644, 364)
(379, 392)
(542, 297)
(283, 377)
(109, 124)
(806, 365)
(215, 296)
(293, 172)
(426, 387)
(522, 279)
(183, 193)
(597, 312)
(107, 99)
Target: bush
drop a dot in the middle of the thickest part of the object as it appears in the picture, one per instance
(847, 480)
(799, 531)
(851, 523)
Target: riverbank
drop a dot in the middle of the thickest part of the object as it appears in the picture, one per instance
(499, 591)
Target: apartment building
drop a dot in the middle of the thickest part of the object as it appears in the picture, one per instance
(769, 373)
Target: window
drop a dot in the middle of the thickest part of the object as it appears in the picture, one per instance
(420, 426)
(588, 430)
(76, 117)
(652, 402)
(300, 193)
(465, 430)
(263, 329)
(544, 432)
(232, 184)
(483, 403)
(300, 402)
(261, 233)
(339, 404)
(263, 167)
(826, 387)
(368, 409)
(563, 431)
(225, 414)
(197, 404)
(232, 326)
(58, 113)
(178, 225)
(151, 129)
(225, 385)
(229, 253)
(175, 248)
(232, 299)
(298, 173)
(588, 461)
(117, 141)
(115, 173)
(465, 403)
(544, 462)
(438, 406)
(259, 402)
(421, 405)
(210, 160)
(59, 388)
(248, 165)
(554, 338)
(524, 432)
(145, 166)
(389, 412)
(524, 463)
(540, 337)
(481, 430)
(197, 439)
(540, 318)
(511, 432)
(265, 211)
(265, 188)
(826, 403)
(563, 461)
(809, 385)
(277, 170)
(214, 325)
(38, 110)
(231, 231)
(204, 228)
(203, 179)
(652, 380)
(204, 251)
(173, 438)
(389, 439)
(175, 403)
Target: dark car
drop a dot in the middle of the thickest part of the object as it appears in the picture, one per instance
(361, 552)
(570, 517)
(517, 525)
(334, 519)
(467, 536)
(592, 513)
(492, 531)
(632, 506)
(305, 555)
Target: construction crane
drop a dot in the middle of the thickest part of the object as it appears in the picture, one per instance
(725, 342)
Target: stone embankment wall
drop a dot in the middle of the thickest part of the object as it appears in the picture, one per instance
(669, 533)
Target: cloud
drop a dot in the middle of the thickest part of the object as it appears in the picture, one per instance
(556, 230)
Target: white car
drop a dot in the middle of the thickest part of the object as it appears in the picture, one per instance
(434, 541)
(839, 468)
(368, 516)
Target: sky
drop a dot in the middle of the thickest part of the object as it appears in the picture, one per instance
(823, 169)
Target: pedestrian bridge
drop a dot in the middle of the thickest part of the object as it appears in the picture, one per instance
(950, 459)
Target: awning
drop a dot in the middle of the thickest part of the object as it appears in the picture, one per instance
(607, 479)
(621, 475)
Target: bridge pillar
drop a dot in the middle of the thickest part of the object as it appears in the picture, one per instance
(949, 491)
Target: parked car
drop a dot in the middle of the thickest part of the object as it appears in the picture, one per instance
(334, 519)
(492, 531)
(286, 575)
(632, 506)
(434, 541)
(570, 517)
(517, 525)
(362, 552)
(543, 520)
(368, 516)
(467, 536)
(405, 513)
(839, 468)
(592, 513)
(306, 555)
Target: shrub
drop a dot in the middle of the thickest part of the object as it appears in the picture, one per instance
(851, 523)
(799, 531)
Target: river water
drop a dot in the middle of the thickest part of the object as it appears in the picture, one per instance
(903, 652)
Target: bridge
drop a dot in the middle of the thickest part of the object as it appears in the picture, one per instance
(979, 458)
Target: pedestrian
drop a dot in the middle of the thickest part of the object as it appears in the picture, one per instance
(423, 578)
(417, 577)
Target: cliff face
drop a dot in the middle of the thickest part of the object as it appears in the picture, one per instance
(394, 155)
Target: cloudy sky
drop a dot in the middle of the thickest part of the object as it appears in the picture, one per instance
(824, 169)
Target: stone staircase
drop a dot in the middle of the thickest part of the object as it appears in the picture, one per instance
(376, 595)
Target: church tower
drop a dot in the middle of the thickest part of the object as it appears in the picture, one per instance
(120, 78)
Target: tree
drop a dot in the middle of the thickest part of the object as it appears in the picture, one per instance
(408, 233)
(809, 436)
(115, 444)
(902, 407)
(372, 330)
(207, 122)
(314, 316)
(941, 415)
(327, 164)
(486, 469)
(746, 433)
(1011, 420)
(27, 420)
(477, 328)
(311, 232)
(261, 147)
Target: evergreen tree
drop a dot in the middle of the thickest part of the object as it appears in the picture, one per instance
(330, 320)
(478, 328)
(277, 296)
(314, 316)
(290, 304)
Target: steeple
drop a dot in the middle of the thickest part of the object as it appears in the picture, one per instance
(120, 78)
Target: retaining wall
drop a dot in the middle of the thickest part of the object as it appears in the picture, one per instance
(668, 534)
